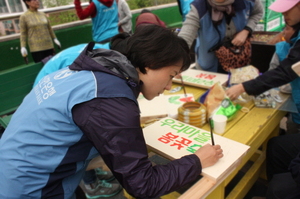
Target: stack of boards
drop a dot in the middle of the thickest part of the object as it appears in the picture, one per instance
(162, 106)
(202, 79)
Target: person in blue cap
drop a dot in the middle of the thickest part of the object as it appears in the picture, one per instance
(283, 152)
(288, 69)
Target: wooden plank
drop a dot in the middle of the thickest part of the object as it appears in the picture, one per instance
(202, 79)
(174, 139)
(197, 92)
(262, 119)
(216, 192)
(155, 108)
(172, 195)
(162, 106)
(263, 122)
(254, 135)
(199, 189)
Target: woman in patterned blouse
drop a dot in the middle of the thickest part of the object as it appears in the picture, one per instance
(35, 29)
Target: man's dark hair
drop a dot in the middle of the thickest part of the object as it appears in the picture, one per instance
(154, 47)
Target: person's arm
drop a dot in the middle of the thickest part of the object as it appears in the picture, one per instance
(277, 77)
(275, 39)
(113, 125)
(51, 32)
(190, 26)
(89, 11)
(125, 9)
(53, 36)
(270, 79)
(255, 15)
(254, 18)
(274, 63)
(23, 31)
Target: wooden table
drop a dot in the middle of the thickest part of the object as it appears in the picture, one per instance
(253, 128)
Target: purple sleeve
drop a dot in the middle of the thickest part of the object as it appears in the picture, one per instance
(113, 125)
(279, 76)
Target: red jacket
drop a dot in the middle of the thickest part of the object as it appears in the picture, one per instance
(91, 10)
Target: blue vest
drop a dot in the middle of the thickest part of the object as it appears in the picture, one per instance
(43, 127)
(296, 89)
(105, 23)
(185, 7)
(208, 36)
(64, 59)
(282, 49)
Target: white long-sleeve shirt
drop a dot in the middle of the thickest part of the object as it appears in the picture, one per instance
(124, 16)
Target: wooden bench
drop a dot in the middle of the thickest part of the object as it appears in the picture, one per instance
(15, 84)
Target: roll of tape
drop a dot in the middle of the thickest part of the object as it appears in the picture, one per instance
(193, 113)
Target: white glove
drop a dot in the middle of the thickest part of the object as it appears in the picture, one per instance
(24, 52)
(57, 42)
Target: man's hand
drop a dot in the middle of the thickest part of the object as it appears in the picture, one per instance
(235, 91)
(209, 154)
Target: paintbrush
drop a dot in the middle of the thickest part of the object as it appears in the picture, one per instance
(183, 87)
(211, 126)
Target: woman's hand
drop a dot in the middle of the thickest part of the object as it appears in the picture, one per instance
(209, 154)
(235, 91)
(24, 52)
(240, 38)
(57, 43)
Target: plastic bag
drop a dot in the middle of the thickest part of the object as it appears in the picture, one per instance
(213, 99)
(227, 108)
(217, 102)
(241, 75)
(265, 100)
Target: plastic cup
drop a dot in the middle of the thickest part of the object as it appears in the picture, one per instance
(219, 123)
